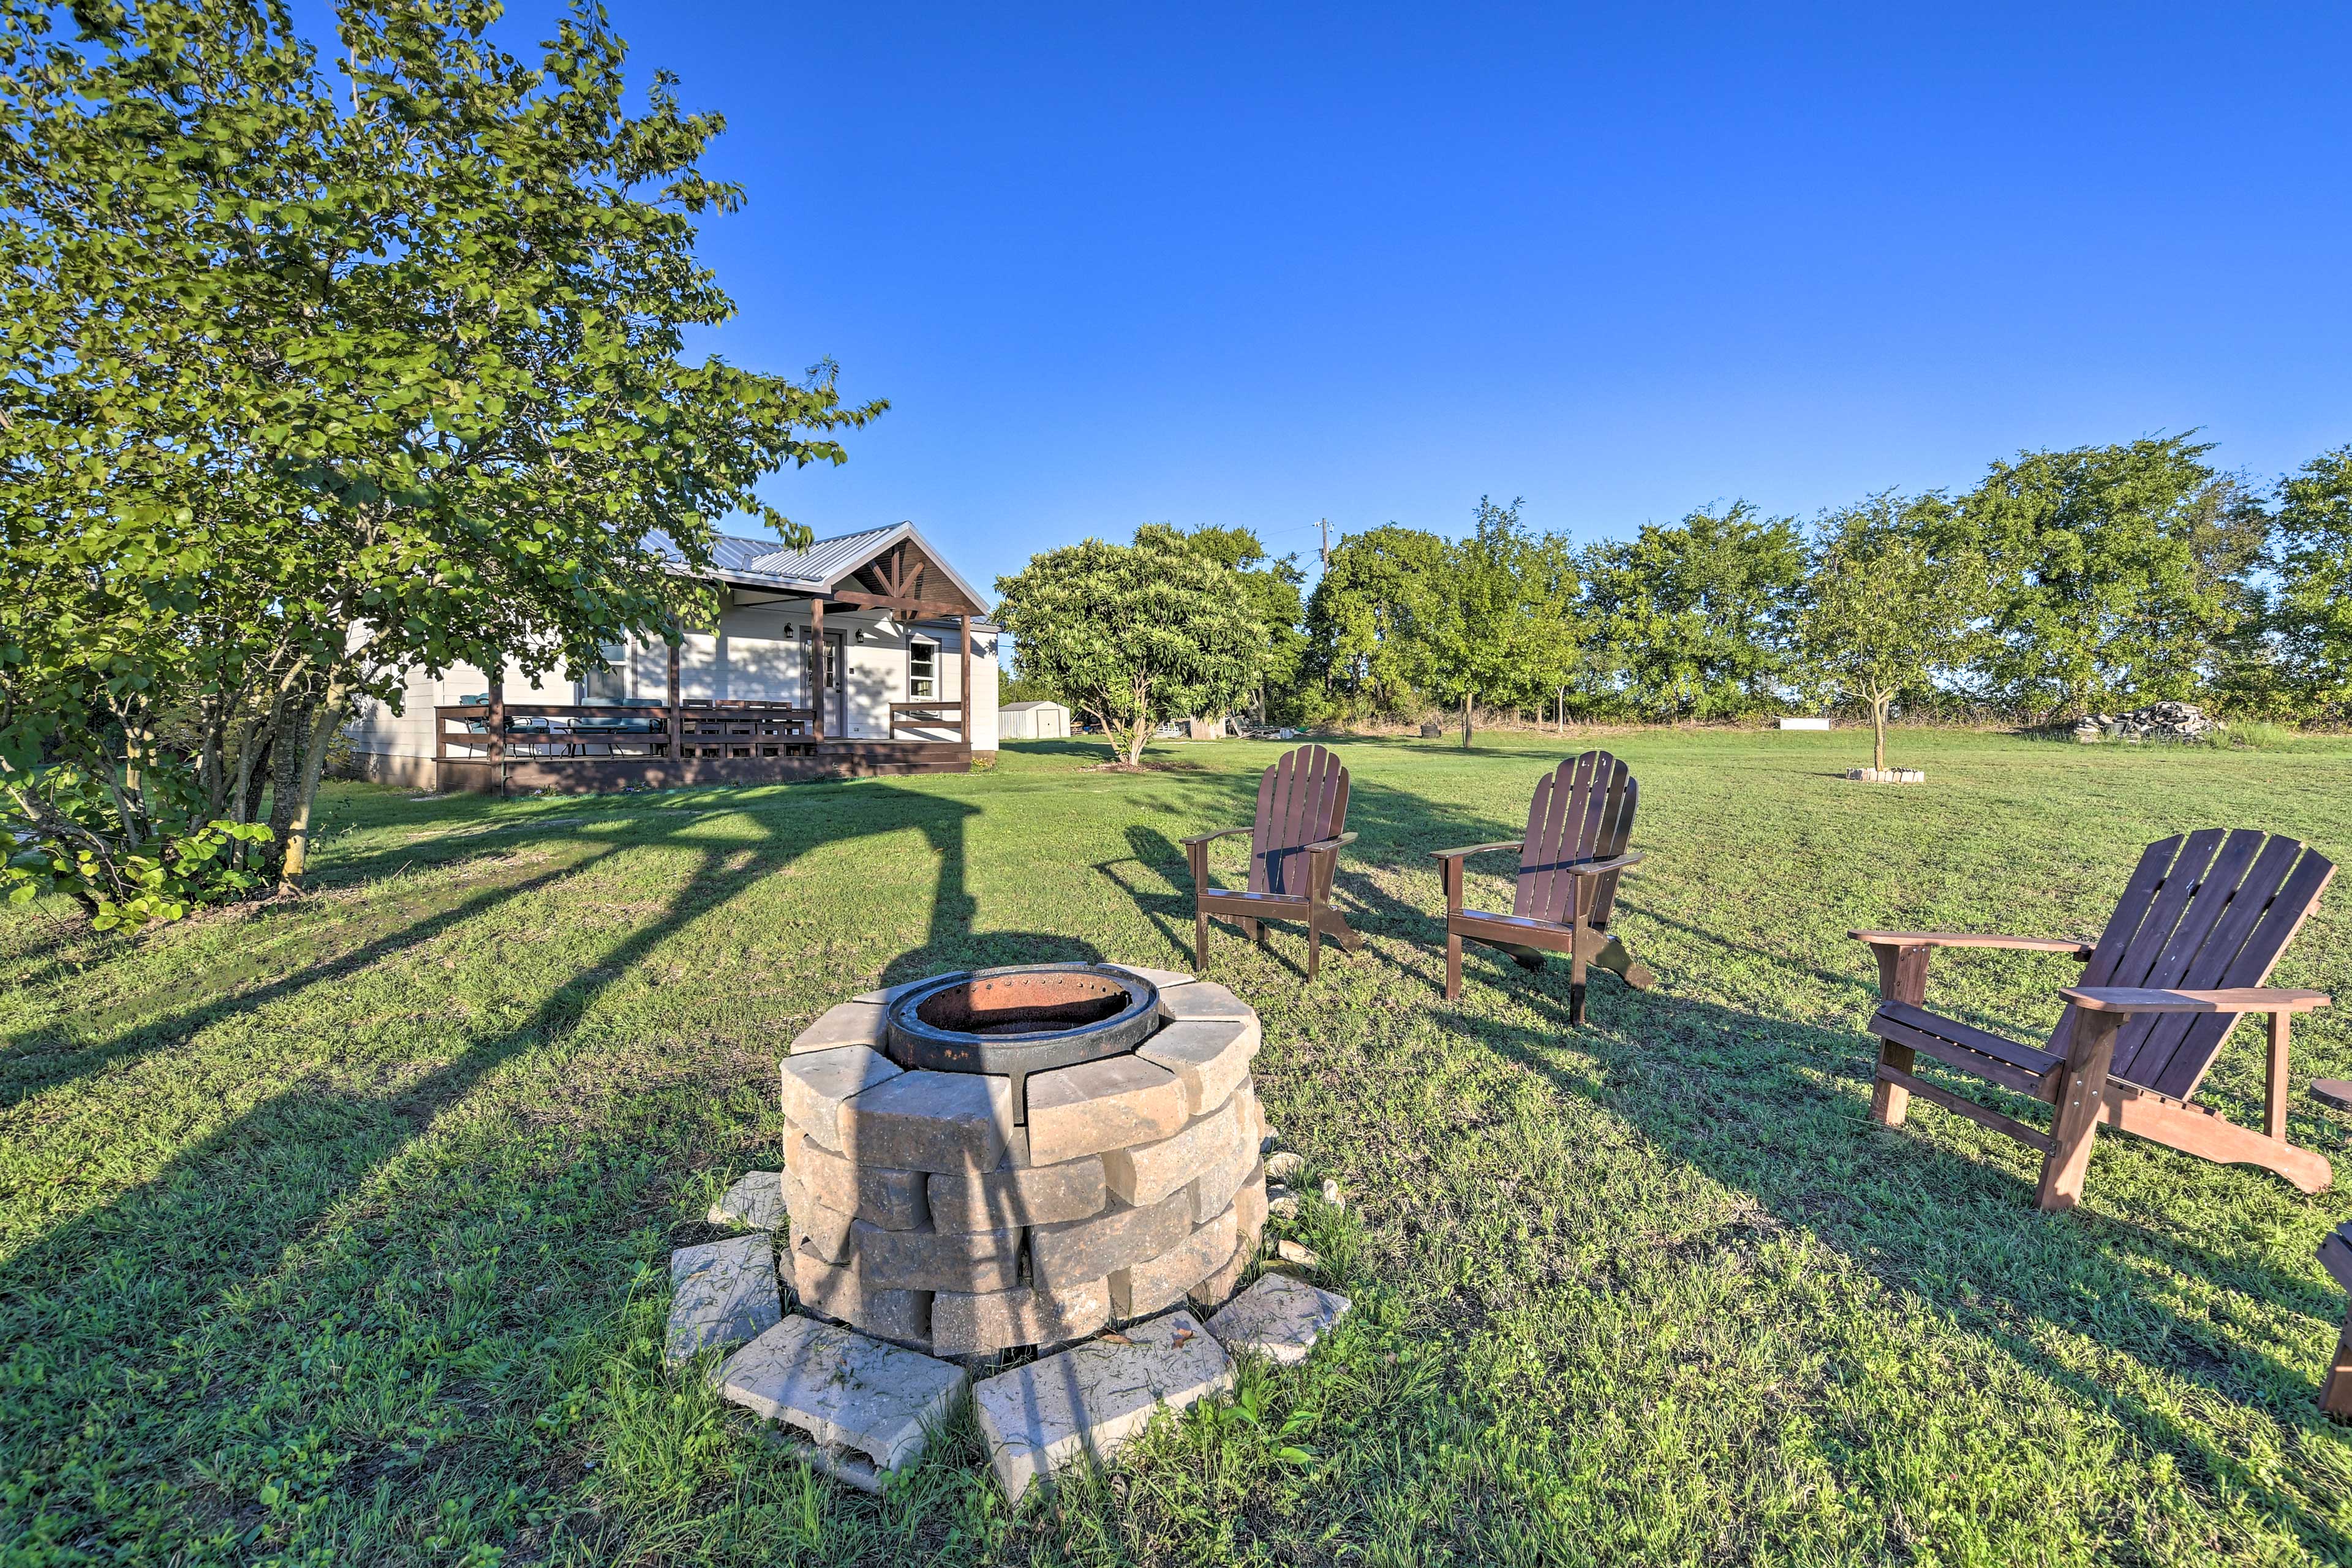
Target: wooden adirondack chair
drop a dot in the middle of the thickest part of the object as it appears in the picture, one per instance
(1302, 815)
(2193, 939)
(2335, 1393)
(1569, 860)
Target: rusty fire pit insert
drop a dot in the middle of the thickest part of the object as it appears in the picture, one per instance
(1021, 1019)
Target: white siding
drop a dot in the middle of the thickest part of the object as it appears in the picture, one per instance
(758, 654)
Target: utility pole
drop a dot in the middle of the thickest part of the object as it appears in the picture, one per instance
(1326, 543)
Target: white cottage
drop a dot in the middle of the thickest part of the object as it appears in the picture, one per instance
(864, 654)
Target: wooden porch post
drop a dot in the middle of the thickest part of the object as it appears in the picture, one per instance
(498, 704)
(965, 690)
(816, 664)
(676, 720)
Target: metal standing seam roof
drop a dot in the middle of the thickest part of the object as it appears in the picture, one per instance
(761, 562)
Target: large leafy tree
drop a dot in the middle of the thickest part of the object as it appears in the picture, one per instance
(1133, 635)
(1270, 585)
(2117, 571)
(2311, 612)
(1495, 623)
(1693, 620)
(1363, 618)
(324, 371)
(1888, 607)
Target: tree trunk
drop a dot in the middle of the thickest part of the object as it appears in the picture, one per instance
(212, 772)
(1878, 728)
(286, 774)
(1466, 721)
(313, 762)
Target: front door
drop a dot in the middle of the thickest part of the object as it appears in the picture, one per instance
(830, 705)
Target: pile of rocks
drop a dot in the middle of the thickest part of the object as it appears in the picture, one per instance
(2157, 722)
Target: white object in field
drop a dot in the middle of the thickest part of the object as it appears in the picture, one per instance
(1033, 722)
(1804, 723)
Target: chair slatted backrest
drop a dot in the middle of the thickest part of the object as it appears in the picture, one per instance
(2206, 911)
(1582, 810)
(1302, 799)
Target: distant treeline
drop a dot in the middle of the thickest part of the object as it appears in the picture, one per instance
(2066, 582)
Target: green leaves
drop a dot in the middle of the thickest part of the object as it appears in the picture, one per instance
(1691, 620)
(2114, 573)
(1133, 635)
(2313, 609)
(76, 848)
(328, 370)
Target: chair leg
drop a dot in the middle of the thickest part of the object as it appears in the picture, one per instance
(1314, 944)
(2336, 1393)
(1453, 965)
(2274, 1079)
(2080, 1094)
(1576, 960)
(1891, 1102)
(1199, 941)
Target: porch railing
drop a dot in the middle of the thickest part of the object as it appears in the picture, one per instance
(626, 731)
(934, 715)
(462, 730)
(745, 728)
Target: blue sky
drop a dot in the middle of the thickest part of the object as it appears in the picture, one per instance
(1261, 266)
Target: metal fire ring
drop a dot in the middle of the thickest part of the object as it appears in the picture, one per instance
(997, 1002)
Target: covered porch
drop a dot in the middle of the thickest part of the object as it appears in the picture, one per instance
(896, 717)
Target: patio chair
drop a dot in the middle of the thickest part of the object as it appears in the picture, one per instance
(1569, 860)
(2335, 1393)
(2193, 938)
(1302, 811)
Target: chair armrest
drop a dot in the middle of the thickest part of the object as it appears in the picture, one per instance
(2068, 945)
(1206, 838)
(1477, 849)
(1327, 846)
(2237, 999)
(1596, 868)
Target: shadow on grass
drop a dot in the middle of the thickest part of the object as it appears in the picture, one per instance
(1739, 1096)
(40, 1063)
(210, 1233)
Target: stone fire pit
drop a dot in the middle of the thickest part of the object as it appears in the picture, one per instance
(1013, 1157)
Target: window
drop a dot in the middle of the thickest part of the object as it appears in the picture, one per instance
(922, 670)
(609, 685)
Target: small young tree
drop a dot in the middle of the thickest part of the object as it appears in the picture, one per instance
(1888, 603)
(1133, 635)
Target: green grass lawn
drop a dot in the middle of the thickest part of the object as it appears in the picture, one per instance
(336, 1231)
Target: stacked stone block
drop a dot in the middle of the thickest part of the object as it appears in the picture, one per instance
(922, 1214)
